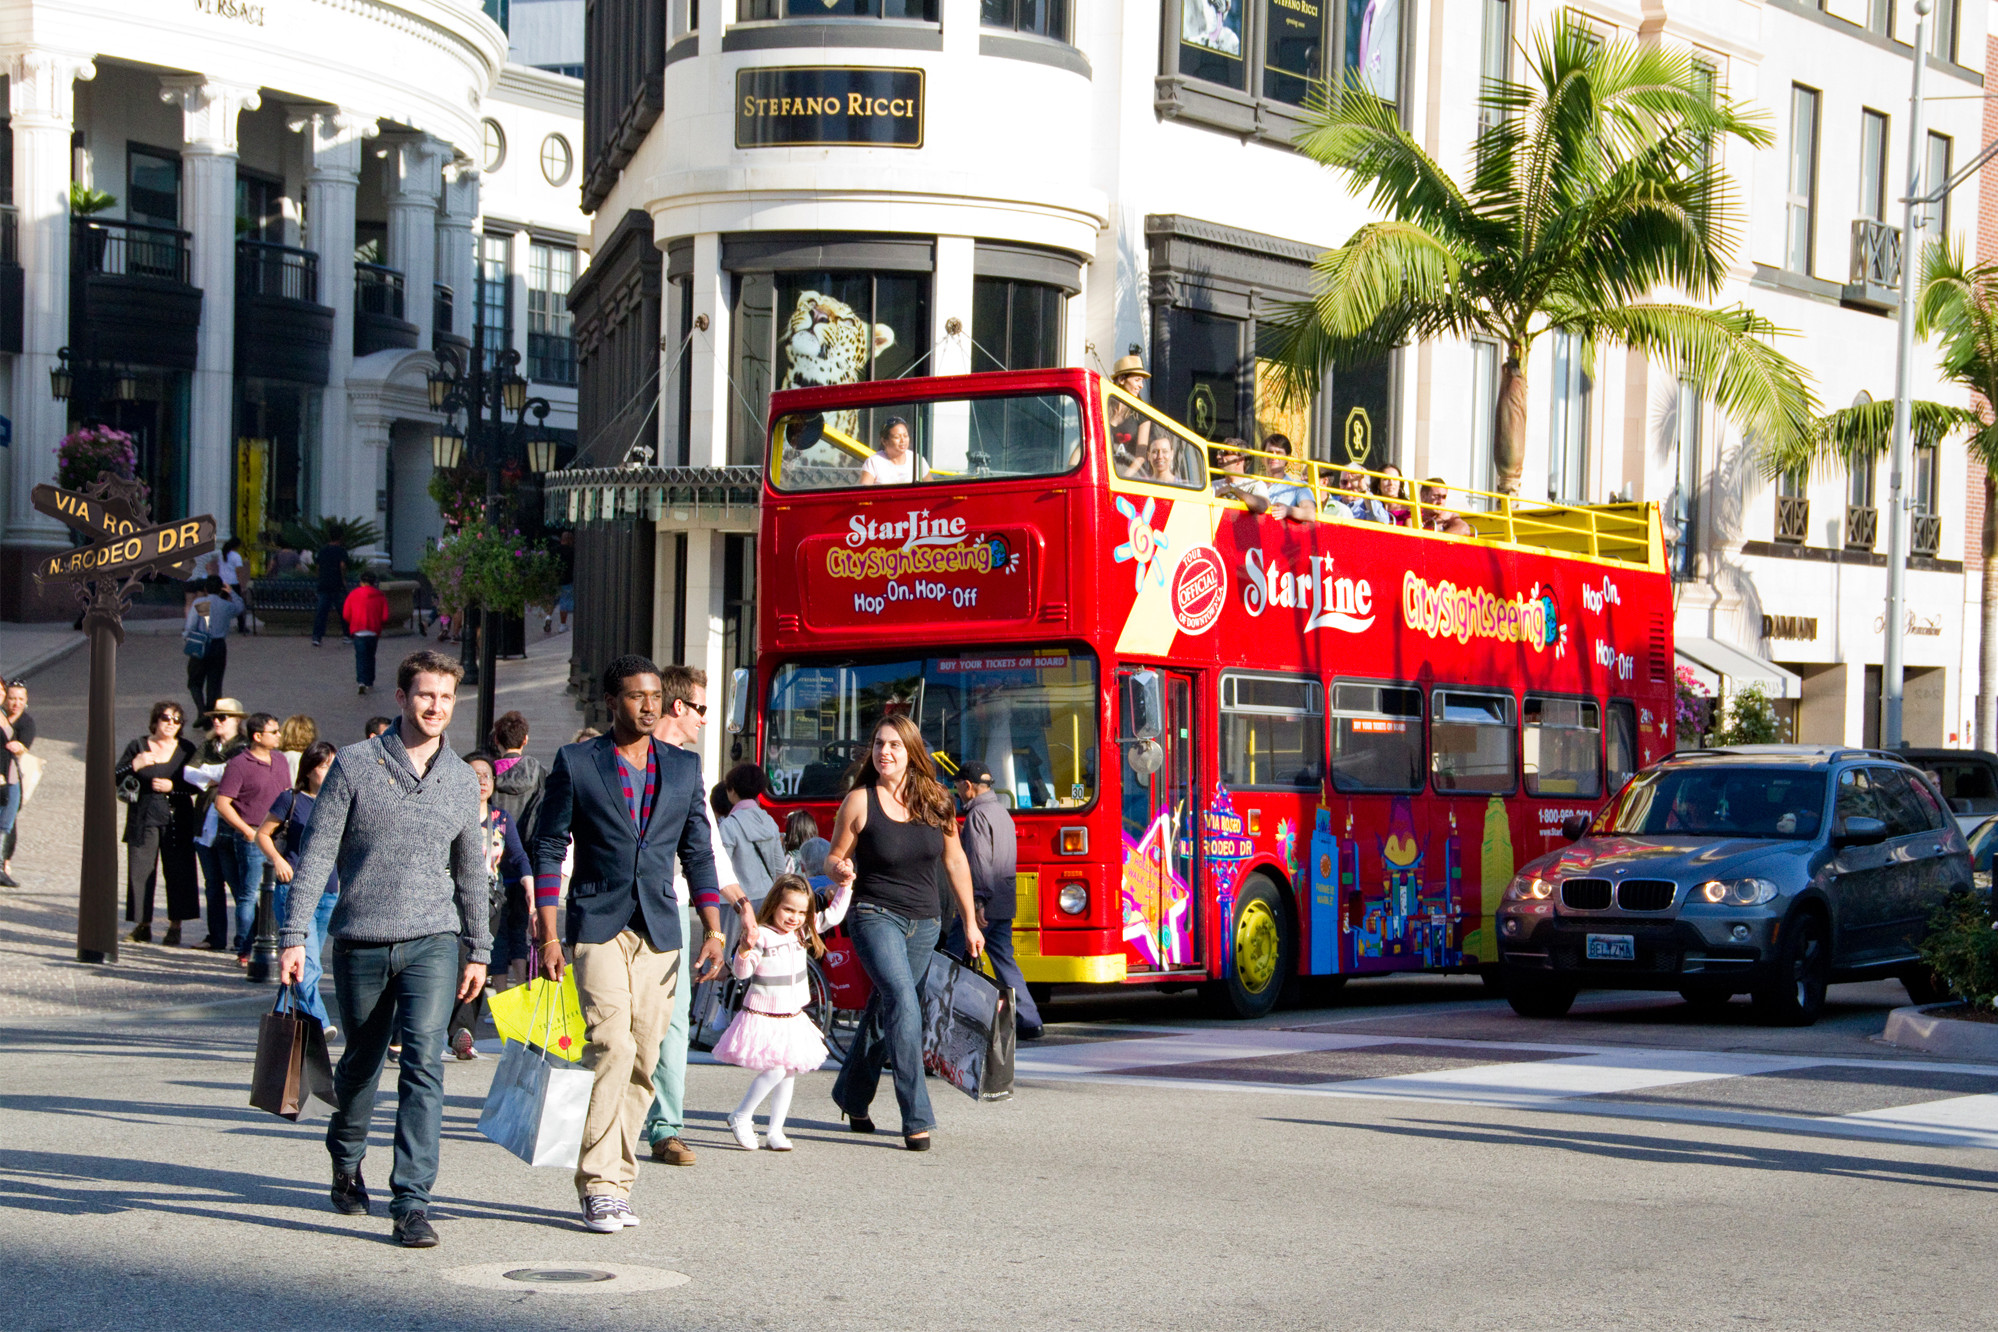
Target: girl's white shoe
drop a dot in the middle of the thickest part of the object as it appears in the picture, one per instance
(776, 1141)
(745, 1132)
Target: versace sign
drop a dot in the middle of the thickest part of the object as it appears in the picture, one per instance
(828, 105)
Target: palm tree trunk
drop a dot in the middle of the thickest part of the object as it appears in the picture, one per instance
(1987, 644)
(1509, 430)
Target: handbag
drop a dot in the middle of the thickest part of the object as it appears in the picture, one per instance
(968, 1036)
(129, 787)
(194, 643)
(538, 1103)
(292, 1065)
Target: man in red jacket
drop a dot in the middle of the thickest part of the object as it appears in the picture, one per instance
(365, 611)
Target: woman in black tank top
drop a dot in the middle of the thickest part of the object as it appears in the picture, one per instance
(895, 832)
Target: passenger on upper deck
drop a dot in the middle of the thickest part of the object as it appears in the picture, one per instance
(1287, 498)
(1393, 492)
(896, 463)
(1157, 464)
(1234, 482)
(1436, 519)
(1349, 491)
(1130, 432)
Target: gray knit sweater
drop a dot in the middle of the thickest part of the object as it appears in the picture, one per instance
(404, 846)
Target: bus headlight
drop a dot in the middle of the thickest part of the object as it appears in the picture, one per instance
(1073, 899)
(1737, 892)
(1530, 888)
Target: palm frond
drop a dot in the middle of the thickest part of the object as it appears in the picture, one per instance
(1383, 263)
(1350, 129)
(1864, 431)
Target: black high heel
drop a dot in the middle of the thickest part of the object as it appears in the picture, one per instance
(921, 1144)
(857, 1123)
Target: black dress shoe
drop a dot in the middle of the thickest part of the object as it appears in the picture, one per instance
(350, 1195)
(414, 1231)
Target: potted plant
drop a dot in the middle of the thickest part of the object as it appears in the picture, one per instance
(86, 202)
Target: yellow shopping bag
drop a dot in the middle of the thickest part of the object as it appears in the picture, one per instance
(543, 1014)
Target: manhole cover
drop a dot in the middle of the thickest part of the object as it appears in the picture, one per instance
(559, 1276)
(555, 1277)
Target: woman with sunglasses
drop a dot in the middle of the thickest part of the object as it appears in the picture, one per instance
(159, 824)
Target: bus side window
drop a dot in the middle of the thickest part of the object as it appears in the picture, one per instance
(1272, 733)
(1563, 745)
(1622, 742)
(1471, 744)
(1376, 737)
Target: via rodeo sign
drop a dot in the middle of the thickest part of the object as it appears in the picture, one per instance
(123, 548)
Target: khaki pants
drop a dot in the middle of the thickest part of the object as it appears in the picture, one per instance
(626, 988)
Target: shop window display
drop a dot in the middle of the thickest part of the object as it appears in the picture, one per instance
(1276, 51)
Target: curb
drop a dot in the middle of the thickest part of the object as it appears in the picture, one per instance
(49, 658)
(1922, 1028)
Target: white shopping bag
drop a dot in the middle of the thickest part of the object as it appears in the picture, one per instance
(537, 1105)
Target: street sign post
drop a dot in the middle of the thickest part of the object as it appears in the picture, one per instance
(114, 510)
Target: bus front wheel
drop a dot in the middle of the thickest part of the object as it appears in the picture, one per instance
(1262, 953)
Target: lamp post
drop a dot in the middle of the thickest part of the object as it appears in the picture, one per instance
(489, 391)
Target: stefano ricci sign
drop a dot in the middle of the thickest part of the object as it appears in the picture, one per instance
(828, 105)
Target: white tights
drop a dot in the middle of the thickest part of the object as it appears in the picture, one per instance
(777, 1085)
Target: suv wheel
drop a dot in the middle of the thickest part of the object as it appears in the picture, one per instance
(1538, 996)
(1796, 996)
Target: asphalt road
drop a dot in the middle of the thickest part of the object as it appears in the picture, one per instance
(1409, 1155)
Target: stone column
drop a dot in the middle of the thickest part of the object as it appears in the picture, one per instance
(367, 465)
(333, 141)
(705, 560)
(707, 425)
(950, 303)
(457, 262)
(209, 112)
(415, 182)
(42, 100)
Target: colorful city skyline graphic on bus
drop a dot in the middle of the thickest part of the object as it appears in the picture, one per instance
(1403, 900)
(1158, 902)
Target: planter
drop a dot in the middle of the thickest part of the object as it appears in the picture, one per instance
(285, 605)
(1931, 1028)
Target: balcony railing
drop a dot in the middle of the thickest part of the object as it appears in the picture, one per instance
(130, 249)
(1793, 519)
(1876, 265)
(1927, 535)
(284, 271)
(378, 291)
(551, 358)
(1862, 523)
(441, 301)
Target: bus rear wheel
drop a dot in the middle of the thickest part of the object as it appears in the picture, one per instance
(1263, 952)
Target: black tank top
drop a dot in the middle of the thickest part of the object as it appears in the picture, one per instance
(898, 865)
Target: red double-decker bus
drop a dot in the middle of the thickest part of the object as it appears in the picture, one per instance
(1239, 748)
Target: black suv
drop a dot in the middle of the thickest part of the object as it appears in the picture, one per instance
(1774, 869)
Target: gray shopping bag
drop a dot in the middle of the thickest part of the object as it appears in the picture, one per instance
(967, 1029)
(537, 1105)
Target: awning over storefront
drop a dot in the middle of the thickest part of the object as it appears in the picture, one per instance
(700, 496)
(1724, 669)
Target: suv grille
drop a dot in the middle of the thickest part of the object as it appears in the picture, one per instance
(1646, 894)
(1586, 894)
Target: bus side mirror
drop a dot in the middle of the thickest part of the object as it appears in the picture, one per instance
(738, 700)
(1574, 826)
(1147, 706)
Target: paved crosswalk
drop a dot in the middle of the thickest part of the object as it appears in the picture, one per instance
(1902, 1100)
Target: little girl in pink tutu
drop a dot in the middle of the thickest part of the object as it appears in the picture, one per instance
(772, 1035)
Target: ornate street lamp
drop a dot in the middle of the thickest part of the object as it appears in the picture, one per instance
(447, 447)
(62, 377)
(541, 452)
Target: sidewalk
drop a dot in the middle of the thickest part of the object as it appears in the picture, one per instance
(28, 648)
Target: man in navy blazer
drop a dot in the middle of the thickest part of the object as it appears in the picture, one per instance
(633, 806)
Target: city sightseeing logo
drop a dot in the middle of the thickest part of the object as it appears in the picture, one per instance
(928, 546)
(1445, 610)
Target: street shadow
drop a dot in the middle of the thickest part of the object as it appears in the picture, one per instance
(1649, 1149)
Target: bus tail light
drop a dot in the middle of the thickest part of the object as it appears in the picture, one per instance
(1075, 841)
(1073, 898)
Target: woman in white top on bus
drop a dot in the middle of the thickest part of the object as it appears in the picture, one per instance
(896, 463)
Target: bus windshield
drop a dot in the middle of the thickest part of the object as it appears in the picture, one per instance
(1030, 715)
(1718, 802)
(943, 440)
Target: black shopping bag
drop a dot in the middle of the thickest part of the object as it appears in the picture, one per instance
(968, 1029)
(292, 1064)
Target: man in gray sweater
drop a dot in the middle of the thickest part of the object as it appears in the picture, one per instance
(398, 818)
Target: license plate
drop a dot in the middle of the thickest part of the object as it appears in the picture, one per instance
(1612, 948)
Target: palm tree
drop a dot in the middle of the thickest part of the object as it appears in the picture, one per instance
(1958, 304)
(1594, 184)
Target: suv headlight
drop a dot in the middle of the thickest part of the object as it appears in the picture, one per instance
(1737, 892)
(1530, 888)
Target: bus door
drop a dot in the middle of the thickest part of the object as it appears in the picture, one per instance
(1161, 818)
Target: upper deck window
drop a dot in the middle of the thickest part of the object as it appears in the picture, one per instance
(1146, 446)
(950, 441)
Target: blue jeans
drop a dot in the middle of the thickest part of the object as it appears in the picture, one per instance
(894, 951)
(243, 869)
(364, 658)
(215, 884)
(10, 807)
(999, 947)
(309, 999)
(393, 992)
(321, 610)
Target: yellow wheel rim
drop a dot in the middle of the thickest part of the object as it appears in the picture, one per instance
(1256, 946)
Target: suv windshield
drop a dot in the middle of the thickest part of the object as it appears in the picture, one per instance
(1031, 715)
(1710, 801)
(949, 440)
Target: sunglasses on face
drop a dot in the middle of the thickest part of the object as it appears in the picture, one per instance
(698, 709)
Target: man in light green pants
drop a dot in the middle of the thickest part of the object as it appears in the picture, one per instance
(683, 715)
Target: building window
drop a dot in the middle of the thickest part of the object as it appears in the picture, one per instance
(813, 329)
(551, 343)
(1942, 31)
(1043, 18)
(1873, 165)
(1684, 513)
(1706, 77)
(1793, 508)
(1484, 420)
(566, 71)
(1568, 422)
(1495, 55)
(495, 299)
(919, 11)
(1276, 52)
(1802, 198)
(493, 139)
(1015, 325)
(259, 209)
(1862, 519)
(556, 160)
(1935, 173)
(152, 187)
(1926, 521)
(1272, 733)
